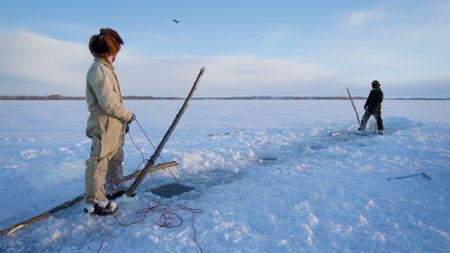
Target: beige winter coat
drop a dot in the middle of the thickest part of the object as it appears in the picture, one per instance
(106, 123)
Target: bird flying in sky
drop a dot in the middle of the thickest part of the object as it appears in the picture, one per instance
(176, 21)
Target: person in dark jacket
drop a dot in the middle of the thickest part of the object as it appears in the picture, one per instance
(373, 107)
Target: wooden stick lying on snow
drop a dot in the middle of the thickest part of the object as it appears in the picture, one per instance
(77, 199)
(41, 216)
(160, 166)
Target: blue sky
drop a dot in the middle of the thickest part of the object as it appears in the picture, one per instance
(298, 48)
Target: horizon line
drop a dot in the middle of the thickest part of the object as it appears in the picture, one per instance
(134, 97)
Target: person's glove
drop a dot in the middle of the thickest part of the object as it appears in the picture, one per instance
(127, 127)
(133, 117)
(366, 107)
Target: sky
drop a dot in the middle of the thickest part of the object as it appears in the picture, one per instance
(249, 48)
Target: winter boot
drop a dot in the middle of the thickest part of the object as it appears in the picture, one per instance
(380, 131)
(101, 207)
(362, 127)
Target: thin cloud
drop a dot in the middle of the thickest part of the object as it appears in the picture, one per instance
(361, 17)
(226, 75)
(446, 7)
(35, 57)
(279, 34)
(62, 65)
(265, 71)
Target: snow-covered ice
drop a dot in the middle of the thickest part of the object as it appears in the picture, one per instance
(266, 173)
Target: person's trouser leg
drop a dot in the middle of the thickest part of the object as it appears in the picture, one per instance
(114, 174)
(94, 179)
(364, 120)
(379, 121)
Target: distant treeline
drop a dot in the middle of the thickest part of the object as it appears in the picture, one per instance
(49, 97)
(59, 97)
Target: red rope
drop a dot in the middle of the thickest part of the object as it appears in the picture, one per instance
(168, 218)
(145, 212)
(135, 145)
(193, 211)
(104, 233)
(142, 154)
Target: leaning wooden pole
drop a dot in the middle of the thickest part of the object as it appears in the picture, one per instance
(77, 199)
(354, 108)
(130, 191)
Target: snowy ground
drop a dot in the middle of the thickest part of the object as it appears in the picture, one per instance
(267, 175)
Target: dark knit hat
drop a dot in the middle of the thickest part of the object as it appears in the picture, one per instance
(106, 43)
(375, 84)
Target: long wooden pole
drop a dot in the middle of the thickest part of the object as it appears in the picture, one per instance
(354, 108)
(42, 216)
(75, 200)
(130, 191)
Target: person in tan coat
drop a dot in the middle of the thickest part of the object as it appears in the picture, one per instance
(106, 126)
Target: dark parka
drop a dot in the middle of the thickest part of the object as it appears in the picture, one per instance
(373, 102)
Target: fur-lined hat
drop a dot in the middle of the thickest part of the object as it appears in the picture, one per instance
(106, 43)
